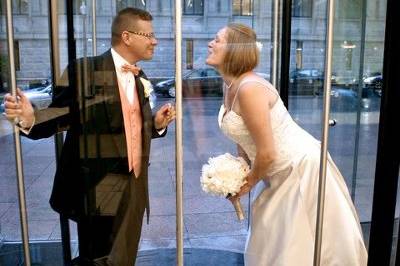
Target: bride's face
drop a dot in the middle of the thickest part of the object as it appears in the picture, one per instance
(217, 49)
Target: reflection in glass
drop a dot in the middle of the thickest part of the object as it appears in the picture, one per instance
(242, 7)
(193, 7)
(355, 103)
(121, 4)
(302, 8)
(202, 98)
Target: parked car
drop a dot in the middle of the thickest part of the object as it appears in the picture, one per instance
(194, 83)
(39, 83)
(39, 97)
(374, 82)
(198, 82)
(306, 81)
(345, 81)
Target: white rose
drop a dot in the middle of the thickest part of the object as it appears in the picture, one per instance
(148, 87)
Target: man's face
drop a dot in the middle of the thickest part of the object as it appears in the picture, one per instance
(141, 40)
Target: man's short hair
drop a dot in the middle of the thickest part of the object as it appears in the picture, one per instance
(126, 20)
(242, 54)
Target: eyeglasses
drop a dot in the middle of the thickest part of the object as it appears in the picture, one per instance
(149, 36)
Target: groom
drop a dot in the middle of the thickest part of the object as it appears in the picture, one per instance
(102, 177)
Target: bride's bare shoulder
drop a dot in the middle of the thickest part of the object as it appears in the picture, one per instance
(257, 89)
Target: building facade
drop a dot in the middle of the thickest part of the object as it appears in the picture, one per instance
(201, 20)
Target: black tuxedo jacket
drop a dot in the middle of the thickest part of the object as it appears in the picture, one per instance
(94, 150)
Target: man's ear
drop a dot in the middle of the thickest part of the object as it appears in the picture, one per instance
(125, 37)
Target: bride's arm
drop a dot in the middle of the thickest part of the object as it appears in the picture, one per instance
(254, 103)
(243, 154)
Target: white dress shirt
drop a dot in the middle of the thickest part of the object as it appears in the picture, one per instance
(126, 79)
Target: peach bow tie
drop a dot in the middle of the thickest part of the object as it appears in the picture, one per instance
(132, 68)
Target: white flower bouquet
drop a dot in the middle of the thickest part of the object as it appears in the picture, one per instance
(224, 175)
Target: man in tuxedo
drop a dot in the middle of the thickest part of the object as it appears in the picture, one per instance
(101, 181)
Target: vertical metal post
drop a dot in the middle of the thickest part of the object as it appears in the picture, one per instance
(178, 136)
(17, 140)
(58, 138)
(285, 50)
(275, 43)
(359, 98)
(54, 43)
(325, 134)
(94, 30)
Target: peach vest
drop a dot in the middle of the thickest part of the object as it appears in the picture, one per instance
(133, 129)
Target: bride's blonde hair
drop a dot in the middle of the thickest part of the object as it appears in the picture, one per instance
(242, 54)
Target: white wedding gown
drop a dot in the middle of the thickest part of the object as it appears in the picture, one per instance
(283, 221)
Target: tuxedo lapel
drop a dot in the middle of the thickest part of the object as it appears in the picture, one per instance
(140, 89)
(113, 108)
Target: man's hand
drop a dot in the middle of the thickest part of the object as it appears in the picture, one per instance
(18, 109)
(164, 116)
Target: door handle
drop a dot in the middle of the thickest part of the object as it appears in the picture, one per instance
(332, 122)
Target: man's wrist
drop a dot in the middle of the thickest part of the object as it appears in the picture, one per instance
(23, 124)
(26, 127)
(156, 126)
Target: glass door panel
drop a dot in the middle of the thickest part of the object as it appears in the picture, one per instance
(10, 229)
(211, 221)
(356, 80)
(159, 235)
(33, 75)
(358, 61)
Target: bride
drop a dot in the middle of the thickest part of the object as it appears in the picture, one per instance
(284, 163)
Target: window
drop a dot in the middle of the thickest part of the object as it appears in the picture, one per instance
(193, 7)
(348, 9)
(189, 54)
(16, 56)
(219, 6)
(195, 74)
(242, 7)
(349, 58)
(20, 7)
(121, 4)
(212, 73)
(79, 7)
(299, 54)
(301, 8)
(348, 47)
(159, 5)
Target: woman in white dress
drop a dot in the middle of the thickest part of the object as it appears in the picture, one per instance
(286, 159)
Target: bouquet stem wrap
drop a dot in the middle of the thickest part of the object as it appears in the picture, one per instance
(238, 208)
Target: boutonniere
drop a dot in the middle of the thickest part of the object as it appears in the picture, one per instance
(147, 86)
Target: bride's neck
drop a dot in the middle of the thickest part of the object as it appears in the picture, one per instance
(228, 79)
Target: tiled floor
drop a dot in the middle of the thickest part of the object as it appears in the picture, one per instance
(50, 254)
(210, 222)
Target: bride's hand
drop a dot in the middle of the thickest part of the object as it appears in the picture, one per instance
(251, 182)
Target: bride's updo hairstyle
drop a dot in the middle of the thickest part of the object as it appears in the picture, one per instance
(242, 54)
